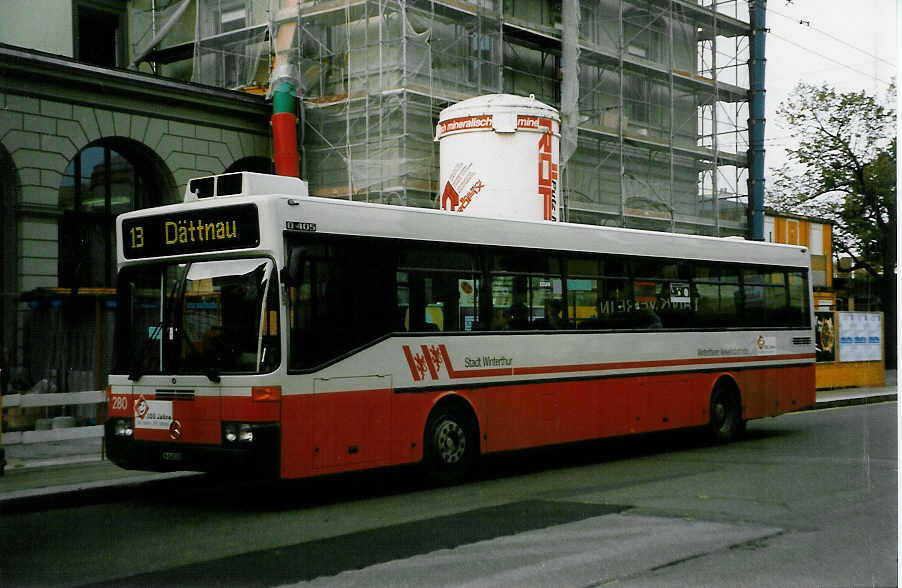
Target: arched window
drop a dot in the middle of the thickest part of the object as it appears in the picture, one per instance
(102, 181)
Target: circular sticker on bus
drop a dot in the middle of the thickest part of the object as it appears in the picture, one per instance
(141, 408)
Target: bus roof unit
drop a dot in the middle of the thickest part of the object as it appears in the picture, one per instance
(244, 184)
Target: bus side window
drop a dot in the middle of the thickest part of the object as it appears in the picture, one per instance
(437, 289)
(583, 302)
(719, 302)
(509, 299)
(766, 297)
(798, 299)
(436, 301)
(334, 309)
(527, 291)
(547, 302)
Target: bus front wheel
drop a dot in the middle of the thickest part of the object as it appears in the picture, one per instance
(450, 445)
(726, 415)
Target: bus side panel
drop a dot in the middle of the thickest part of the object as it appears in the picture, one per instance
(351, 428)
(297, 435)
(529, 415)
(604, 407)
(245, 409)
(801, 392)
(808, 387)
(754, 386)
(614, 402)
(523, 415)
(579, 414)
(664, 402)
(773, 391)
(520, 416)
(410, 413)
(346, 431)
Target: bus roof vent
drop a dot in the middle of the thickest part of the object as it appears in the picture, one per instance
(244, 184)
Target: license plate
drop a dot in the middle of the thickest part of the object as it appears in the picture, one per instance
(172, 456)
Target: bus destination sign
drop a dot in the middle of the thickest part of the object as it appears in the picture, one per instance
(213, 229)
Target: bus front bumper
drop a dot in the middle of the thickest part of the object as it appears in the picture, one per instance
(259, 458)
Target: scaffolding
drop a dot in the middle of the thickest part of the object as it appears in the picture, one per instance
(655, 113)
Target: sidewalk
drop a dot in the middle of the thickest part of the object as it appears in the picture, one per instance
(67, 470)
(850, 396)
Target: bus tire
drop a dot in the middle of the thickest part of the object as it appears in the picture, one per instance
(726, 422)
(451, 444)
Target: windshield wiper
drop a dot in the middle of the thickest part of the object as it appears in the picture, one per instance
(211, 372)
(167, 310)
(138, 361)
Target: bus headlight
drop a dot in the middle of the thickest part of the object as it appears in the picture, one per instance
(123, 428)
(238, 433)
(245, 435)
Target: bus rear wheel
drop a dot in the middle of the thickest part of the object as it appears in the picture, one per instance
(450, 445)
(726, 415)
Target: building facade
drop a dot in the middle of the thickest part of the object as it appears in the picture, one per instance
(815, 234)
(837, 363)
(111, 105)
(653, 93)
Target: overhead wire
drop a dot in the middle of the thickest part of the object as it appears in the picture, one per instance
(807, 24)
(830, 59)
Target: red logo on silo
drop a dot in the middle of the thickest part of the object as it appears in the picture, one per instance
(460, 179)
(547, 173)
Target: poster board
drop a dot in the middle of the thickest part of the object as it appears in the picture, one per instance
(860, 336)
(825, 335)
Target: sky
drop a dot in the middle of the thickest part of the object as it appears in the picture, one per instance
(849, 44)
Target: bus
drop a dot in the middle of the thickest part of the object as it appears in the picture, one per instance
(263, 332)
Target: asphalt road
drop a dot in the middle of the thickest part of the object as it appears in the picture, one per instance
(807, 499)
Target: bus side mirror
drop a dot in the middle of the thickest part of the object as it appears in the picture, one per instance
(293, 272)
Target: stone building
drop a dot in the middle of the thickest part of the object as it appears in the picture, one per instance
(80, 144)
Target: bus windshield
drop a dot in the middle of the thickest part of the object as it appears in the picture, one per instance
(210, 317)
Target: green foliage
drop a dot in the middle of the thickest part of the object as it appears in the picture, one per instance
(843, 168)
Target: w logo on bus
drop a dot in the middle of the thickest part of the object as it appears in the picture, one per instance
(429, 359)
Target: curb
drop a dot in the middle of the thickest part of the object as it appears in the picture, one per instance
(854, 401)
(19, 465)
(86, 493)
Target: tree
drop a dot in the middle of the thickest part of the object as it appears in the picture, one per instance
(843, 168)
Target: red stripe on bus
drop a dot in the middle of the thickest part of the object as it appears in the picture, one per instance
(591, 367)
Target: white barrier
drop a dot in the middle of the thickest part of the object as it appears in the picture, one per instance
(59, 399)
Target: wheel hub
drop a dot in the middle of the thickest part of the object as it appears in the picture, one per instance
(720, 416)
(450, 442)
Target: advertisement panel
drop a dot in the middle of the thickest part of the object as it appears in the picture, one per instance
(825, 334)
(860, 336)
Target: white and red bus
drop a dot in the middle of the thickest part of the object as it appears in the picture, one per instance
(263, 330)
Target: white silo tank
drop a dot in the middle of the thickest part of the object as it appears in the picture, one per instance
(499, 157)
